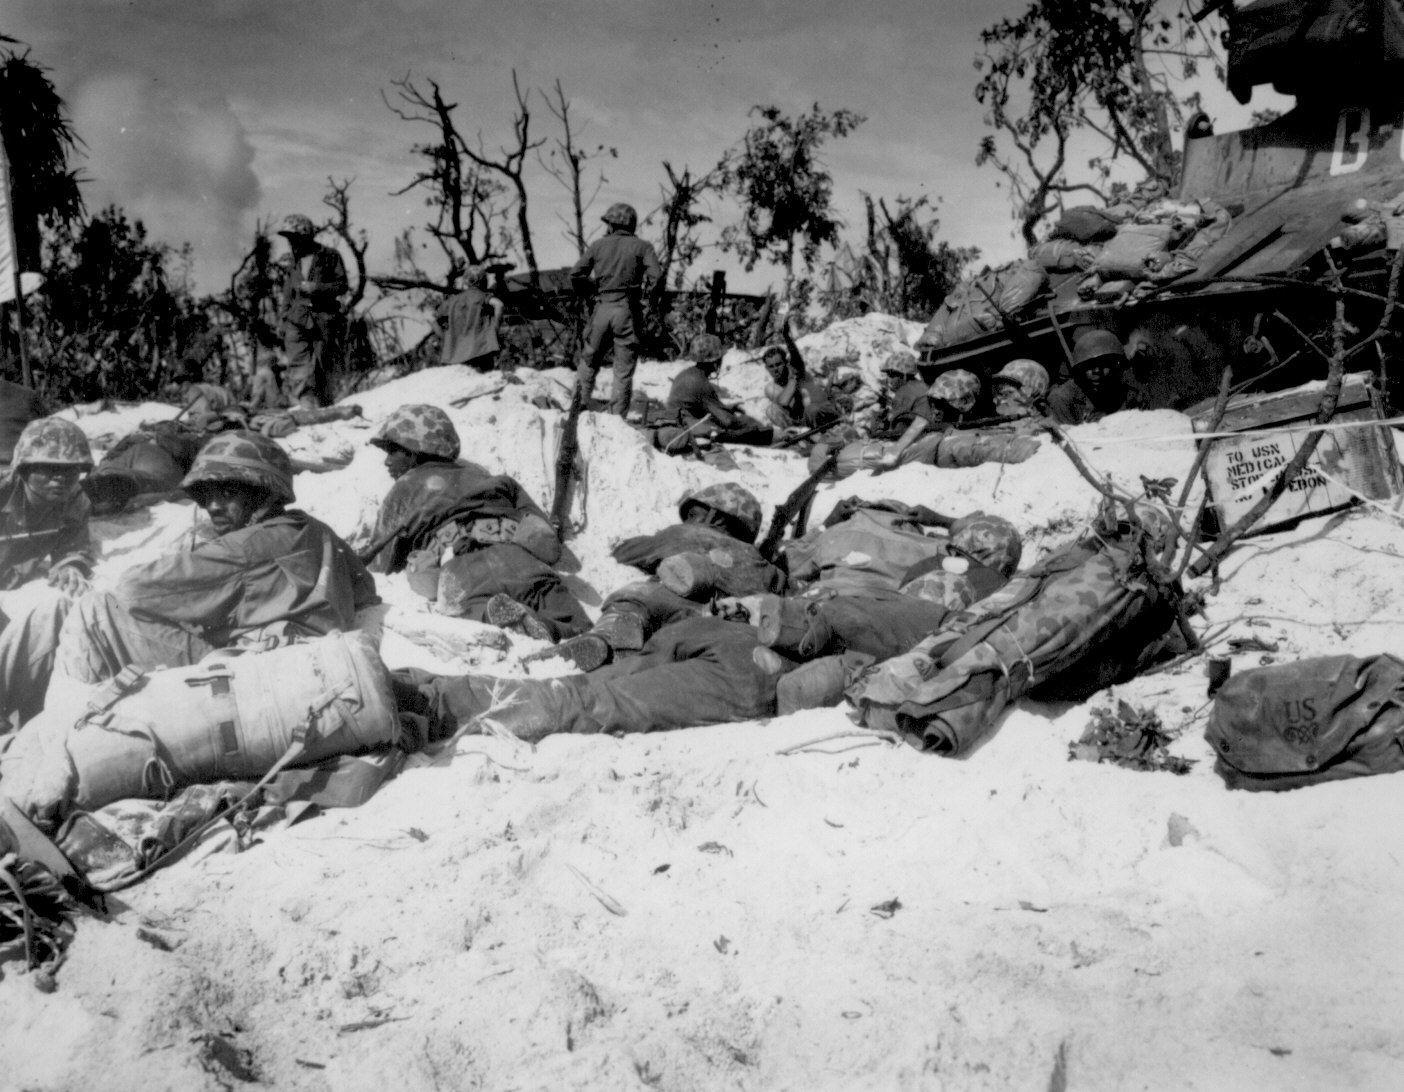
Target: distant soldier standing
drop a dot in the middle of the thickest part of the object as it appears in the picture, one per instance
(625, 270)
(313, 326)
(469, 322)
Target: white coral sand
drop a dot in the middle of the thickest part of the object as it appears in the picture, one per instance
(696, 910)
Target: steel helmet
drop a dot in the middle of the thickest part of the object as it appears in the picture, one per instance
(52, 440)
(422, 429)
(987, 540)
(900, 364)
(297, 224)
(1029, 376)
(1095, 344)
(957, 388)
(734, 501)
(621, 215)
(705, 347)
(247, 457)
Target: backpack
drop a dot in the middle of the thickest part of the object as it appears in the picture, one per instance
(1322, 719)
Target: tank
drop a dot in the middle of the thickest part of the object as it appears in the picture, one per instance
(1297, 189)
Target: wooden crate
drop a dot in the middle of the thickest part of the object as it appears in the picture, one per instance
(1346, 462)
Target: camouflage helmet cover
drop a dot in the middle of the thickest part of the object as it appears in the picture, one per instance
(244, 457)
(987, 540)
(52, 440)
(1161, 529)
(1029, 376)
(730, 499)
(900, 363)
(622, 215)
(422, 429)
(297, 224)
(958, 388)
(705, 347)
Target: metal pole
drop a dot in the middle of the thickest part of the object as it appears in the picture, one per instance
(9, 201)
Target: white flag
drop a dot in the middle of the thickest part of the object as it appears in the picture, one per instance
(28, 281)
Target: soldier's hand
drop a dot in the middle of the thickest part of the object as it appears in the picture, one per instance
(69, 580)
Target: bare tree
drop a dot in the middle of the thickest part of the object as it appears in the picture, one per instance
(338, 199)
(465, 199)
(565, 162)
(682, 216)
(511, 166)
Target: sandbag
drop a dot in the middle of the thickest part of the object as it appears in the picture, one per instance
(229, 717)
(1085, 617)
(1085, 224)
(1064, 255)
(1323, 719)
(1135, 251)
(984, 303)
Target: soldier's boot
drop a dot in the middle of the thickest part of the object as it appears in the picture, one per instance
(818, 684)
(506, 613)
(616, 631)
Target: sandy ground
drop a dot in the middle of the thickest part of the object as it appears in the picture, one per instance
(698, 910)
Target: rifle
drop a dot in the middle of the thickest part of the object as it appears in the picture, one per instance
(565, 459)
(795, 506)
(790, 441)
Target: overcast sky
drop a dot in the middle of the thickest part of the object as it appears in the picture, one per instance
(202, 115)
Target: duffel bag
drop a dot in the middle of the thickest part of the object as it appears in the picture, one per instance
(1323, 719)
(230, 717)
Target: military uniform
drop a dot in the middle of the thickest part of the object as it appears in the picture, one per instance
(625, 269)
(312, 324)
(35, 540)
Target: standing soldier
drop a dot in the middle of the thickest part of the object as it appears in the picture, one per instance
(313, 326)
(625, 270)
(469, 322)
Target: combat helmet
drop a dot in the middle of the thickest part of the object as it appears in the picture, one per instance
(1029, 376)
(421, 429)
(958, 388)
(705, 347)
(621, 215)
(1096, 344)
(900, 363)
(54, 441)
(1162, 531)
(732, 500)
(247, 457)
(987, 540)
(297, 224)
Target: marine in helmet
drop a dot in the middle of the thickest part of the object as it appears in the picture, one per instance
(310, 316)
(904, 395)
(623, 270)
(953, 395)
(696, 407)
(1099, 383)
(983, 552)
(468, 322)
(268, 572)
(43, 509)
(43, 533)
(1020, 388)
(709, 552)
(475, 542)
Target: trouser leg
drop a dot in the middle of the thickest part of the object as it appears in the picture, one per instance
(100, 637)
(28, 644)
(626, 326)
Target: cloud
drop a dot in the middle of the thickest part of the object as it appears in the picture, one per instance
(183, 163)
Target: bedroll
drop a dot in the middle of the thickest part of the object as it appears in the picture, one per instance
(229, 717)
(1087, 616)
